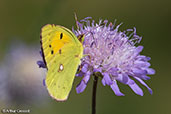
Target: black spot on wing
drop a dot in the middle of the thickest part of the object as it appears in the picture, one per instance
(68, 31)
(60, 51)
(52, 52)
(61, 35)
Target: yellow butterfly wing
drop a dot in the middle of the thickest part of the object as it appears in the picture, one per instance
(62, 53)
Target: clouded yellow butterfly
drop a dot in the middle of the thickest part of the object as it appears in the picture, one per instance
(62, 52)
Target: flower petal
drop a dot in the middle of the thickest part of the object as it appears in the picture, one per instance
(103, 82)
(135, 87)
(106, 79)
(143, 58)
(139, 49)
(84, 68)
(81, 87)
(138, 71)
(87, 77)
(85, 19)
(97, 70)
(142, 64)
(150, 71)
(113, 71)
(116, 90)
(44, 83)
(144, 77)
(41, 54)
(41, 64)
(143, 83)
(80, 74)
(122, 78)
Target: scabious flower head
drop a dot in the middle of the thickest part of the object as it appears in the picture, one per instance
(114, 55)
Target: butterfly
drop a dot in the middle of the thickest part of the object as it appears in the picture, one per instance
(62, 52)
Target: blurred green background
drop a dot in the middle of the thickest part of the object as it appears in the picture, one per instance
(21, 21)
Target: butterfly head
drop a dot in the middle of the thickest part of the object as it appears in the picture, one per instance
(81, 38)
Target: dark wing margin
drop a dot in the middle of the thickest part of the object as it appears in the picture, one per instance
(42, 52)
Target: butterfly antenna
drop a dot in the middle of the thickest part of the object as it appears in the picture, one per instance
(76, 20)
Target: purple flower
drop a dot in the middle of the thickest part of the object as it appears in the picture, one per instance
(113, 54)
(20, 79)
(41, 63)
